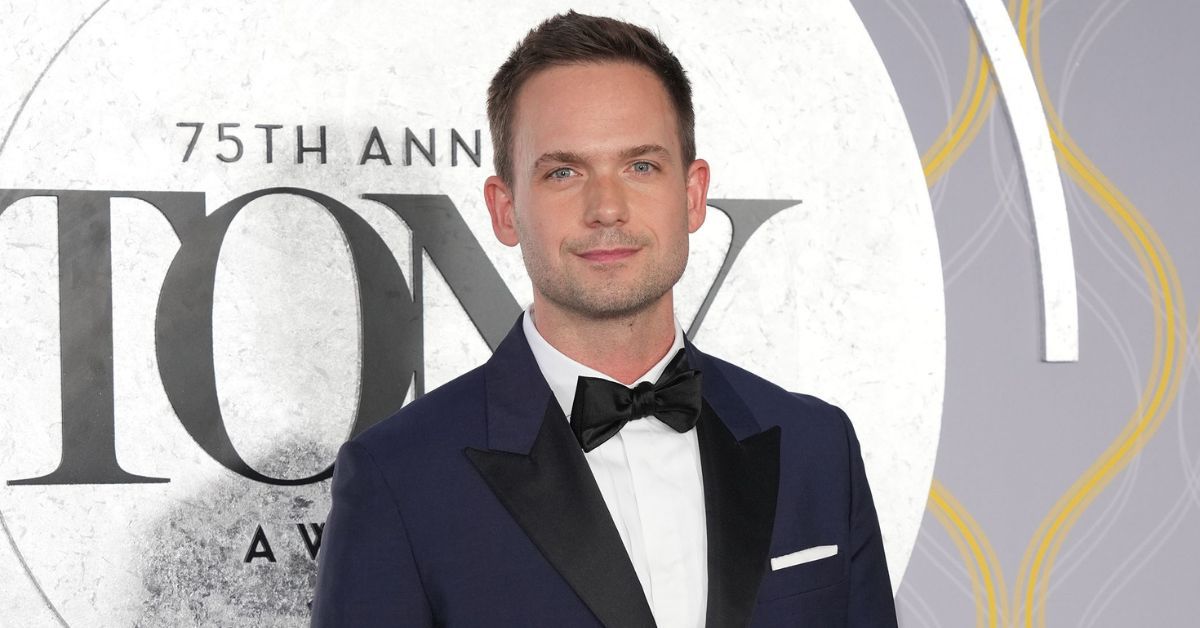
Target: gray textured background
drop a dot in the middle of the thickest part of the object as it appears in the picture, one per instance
(1017, 433)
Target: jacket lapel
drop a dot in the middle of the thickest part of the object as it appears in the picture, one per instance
(740, 464)
(538, 472)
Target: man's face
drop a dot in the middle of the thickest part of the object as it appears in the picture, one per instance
(601, 201)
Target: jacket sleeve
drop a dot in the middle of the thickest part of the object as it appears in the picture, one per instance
(871, 602)
(366, 574)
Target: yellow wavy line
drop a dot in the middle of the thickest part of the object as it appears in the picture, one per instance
(1161, 385)
(974, 105)
(1163, 381)
(957, 536)
(959, 105)
(977, 553)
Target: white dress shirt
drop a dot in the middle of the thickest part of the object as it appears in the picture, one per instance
(650, 478)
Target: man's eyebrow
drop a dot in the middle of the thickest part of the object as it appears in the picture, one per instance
(645, 149)
(557, 157)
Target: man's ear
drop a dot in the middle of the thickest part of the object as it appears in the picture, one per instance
(697, 194)
(499, 199)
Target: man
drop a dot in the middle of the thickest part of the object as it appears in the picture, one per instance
(599, 469)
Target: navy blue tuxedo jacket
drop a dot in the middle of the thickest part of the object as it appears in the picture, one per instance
(474, 506)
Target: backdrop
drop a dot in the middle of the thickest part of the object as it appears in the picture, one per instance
(234, 235)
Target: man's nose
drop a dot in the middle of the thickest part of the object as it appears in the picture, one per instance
(607, 201)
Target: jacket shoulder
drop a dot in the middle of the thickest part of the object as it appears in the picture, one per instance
(451, 416)
(773, 405)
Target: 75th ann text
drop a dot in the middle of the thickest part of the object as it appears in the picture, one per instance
(232, 142)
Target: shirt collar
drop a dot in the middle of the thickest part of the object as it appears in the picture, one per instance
(562, 373)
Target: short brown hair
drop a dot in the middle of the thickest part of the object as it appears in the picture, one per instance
(574, 38)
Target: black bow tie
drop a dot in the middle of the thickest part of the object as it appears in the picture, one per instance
(603, 407)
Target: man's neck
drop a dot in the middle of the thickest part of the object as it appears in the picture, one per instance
(622, 348)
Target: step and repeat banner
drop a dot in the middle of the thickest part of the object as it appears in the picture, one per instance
(233, 235)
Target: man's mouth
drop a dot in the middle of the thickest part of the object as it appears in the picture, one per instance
(604, 256)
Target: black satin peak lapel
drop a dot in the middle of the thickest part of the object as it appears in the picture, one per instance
(554, 498)
(741, 485)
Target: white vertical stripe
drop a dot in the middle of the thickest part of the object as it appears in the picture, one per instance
(1036, 152)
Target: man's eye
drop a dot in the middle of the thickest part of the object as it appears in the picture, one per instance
(561, 173)
(643, 167)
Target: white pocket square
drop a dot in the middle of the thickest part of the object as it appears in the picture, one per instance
(803, 556)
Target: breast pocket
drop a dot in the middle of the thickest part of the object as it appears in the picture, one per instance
(791, 579)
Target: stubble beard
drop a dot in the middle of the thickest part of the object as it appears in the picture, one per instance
(606, 297)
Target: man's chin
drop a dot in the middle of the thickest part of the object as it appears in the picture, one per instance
(604, 303)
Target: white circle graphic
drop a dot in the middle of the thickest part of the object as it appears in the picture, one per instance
(839, 295)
